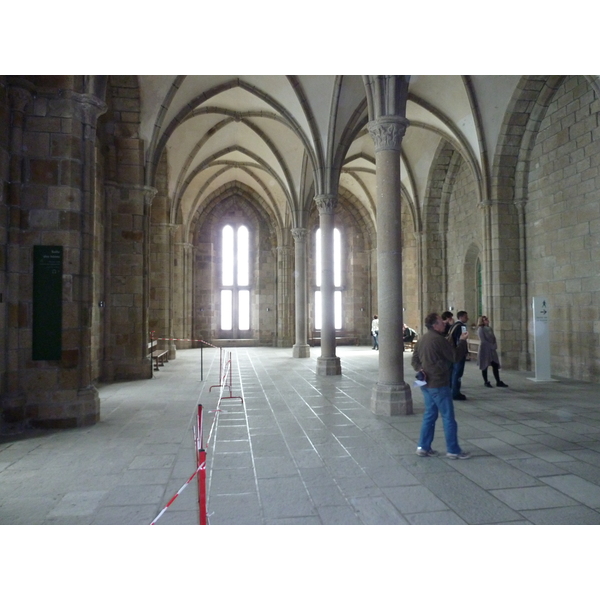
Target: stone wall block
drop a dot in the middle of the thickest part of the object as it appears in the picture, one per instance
(45, 172)
(131, 174)
(36, 144)
(64, 198)
(65, 146)
(50, 125)
(70, 173)
(42, 219)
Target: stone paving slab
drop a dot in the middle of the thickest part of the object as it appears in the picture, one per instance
(306, 450)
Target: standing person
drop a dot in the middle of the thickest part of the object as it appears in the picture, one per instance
(375, 332)
(454, 335)
(487, 354)
(448, 319)
(433, 356)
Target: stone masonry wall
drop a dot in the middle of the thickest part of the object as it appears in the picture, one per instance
(563, 228)
(4, 179)
(410, 268)
(464, 230)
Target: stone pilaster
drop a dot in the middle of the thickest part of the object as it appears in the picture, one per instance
(391, 395)
(174, 291)
(301, 348)
(284, 295)
(525, 360)
(128, 283)
(13, 398)
(87, 108)
(328, 363)
(62, 172)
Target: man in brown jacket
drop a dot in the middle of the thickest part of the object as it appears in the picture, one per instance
(434, 357)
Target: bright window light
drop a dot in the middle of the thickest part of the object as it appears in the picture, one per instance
(227, 264)
(242, 256)
(244, 310)
(337, 279)
(226, 310)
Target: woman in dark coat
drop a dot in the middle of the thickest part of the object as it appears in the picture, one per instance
(487, 355)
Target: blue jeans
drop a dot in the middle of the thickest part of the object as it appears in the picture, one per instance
(376, 340)
(457, 372)
(439, 400)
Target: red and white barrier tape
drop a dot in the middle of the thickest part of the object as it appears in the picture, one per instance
(162, 512)
(185, 340)
(217, 410)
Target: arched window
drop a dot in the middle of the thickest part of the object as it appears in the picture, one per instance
(235, 280)
(337, 279)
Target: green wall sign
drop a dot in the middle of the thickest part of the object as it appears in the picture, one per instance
(47, 302)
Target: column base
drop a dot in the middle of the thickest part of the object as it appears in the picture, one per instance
(391, 400)
(301, 351)
(12, 408)
(329, 365)
(80, 409)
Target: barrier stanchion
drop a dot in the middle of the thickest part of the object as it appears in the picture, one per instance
(220, 384)
(201, 353)
(230, 380)
(201, 462)
(227, 375)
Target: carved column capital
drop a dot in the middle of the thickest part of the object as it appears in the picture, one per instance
(326, 203)
(19, 98)
(387, 132)
(299, 234)
(86, 107)
(149, 195)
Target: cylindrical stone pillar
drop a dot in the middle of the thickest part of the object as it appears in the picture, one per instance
(14, 400)
(328, 363)
(301, 348)
(391, 395)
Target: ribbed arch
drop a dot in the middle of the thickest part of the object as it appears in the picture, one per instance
(159, 141)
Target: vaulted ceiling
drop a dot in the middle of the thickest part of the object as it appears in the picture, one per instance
(272, 133)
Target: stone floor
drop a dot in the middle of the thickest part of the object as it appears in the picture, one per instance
(302, 449)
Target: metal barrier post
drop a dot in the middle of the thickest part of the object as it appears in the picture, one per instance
(201, 465)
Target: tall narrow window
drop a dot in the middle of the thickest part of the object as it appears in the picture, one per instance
(479, 287)
(235, 279)
(337, 279)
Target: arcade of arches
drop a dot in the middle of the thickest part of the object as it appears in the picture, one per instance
(189, 206)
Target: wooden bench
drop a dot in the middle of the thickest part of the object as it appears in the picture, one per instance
(160, 357)
(410, 346)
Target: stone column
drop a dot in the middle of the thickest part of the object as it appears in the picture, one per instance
(328, 363)
(187, 278)
(301, 348)
(128, 283)
(174, 291)
(524, 360)
(284, 297)
(147, 196)
(14, 401)
(391, 395)
(88, 108)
